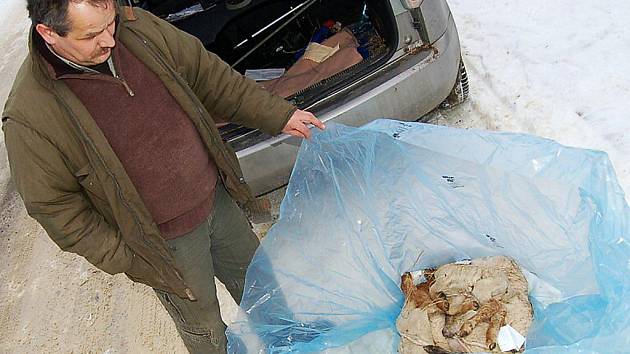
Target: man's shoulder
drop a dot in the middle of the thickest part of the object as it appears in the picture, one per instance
(161, 33)
(160, 38)
(27, 93)
(146, 23)
(30, 103)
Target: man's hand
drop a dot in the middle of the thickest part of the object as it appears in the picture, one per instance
(298, 124)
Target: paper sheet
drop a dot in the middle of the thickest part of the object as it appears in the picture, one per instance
(509, 339)
(319, 52)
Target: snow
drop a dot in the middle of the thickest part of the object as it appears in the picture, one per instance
(12, 52)
(557, 69)
(12, 45)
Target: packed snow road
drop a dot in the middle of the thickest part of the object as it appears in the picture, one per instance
(555, 69)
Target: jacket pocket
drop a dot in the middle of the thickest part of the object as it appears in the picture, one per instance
(90, 184)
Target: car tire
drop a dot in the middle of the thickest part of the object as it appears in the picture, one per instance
(459, 93)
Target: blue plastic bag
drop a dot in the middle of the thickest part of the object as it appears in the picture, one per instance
(362, 204)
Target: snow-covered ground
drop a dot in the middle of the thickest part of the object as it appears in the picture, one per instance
(558, 69)
(12, 51)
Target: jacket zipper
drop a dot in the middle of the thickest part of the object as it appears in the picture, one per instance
(118, 189)
(109, 172)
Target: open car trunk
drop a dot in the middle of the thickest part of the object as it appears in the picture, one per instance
(352, 39)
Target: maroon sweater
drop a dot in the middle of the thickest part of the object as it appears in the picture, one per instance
(157, 143)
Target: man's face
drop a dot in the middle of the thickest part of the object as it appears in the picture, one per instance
(91, 36)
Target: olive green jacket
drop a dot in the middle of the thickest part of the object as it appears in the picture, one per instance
(72, 182)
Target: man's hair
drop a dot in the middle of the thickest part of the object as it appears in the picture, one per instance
(54, 13)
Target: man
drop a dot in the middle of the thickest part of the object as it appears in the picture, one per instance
(112, 145)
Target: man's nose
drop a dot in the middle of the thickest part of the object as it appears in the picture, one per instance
(106, 39)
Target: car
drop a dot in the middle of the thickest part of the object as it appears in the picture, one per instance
(401, 59)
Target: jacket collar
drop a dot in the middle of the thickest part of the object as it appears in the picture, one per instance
(69, 63)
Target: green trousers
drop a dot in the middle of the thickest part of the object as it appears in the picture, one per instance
(223, 246)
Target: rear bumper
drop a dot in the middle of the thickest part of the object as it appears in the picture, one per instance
(405, 89)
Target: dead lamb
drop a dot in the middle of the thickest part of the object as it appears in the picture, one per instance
(461, 307)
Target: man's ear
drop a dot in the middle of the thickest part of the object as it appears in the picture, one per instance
(49, 35)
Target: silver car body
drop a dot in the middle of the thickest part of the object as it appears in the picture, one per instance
(414, 81)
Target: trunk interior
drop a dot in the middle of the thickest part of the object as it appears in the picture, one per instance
(352, 38)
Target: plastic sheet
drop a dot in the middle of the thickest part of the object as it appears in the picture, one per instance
(362, 204)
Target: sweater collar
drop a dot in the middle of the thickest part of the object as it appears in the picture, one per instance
(75, 66)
